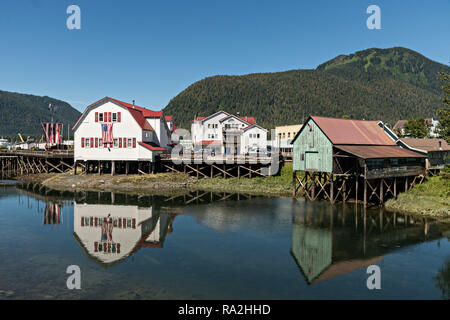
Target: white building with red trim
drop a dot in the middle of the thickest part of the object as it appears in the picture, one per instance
(138, 134)
(225, 133)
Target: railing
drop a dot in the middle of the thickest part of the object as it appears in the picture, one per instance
(42, 154)
(201, 158)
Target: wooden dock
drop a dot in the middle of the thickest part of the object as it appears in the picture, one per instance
(226, 166)
(19, 162)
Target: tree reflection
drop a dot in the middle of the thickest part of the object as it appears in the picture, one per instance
(442, 279)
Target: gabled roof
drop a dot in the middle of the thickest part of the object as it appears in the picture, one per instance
(249, 120)
(147, 113)
(235, 117)
(400, 124)
(138, 113)
(350, 132)
(254, 126)
(213, 115)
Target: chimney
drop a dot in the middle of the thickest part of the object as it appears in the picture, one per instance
(133, 104)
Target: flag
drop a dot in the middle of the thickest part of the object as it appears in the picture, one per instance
(107, 229)
(107, 135)
(52, 132)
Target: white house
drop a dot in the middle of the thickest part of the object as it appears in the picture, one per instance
(433, 125)
(225, 133)
(138, 134)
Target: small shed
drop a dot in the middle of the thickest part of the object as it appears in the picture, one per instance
(344, 151)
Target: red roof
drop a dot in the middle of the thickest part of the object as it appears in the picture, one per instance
(168, 118)
(151, 146)
(143, 123)
(427, 144)
(359, 132)
(207, 142)
(145, 112)
(251, 120)
(138, 113)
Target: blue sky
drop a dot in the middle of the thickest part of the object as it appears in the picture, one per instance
(152, 50)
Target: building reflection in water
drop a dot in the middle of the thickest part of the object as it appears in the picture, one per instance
(342, 239)
(111, 233)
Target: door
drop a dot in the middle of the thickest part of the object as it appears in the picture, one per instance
(311, 161)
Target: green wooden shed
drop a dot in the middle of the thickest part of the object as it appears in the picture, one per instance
(330, 150)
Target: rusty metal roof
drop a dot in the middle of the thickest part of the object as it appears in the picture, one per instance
(359, 132)
(379, 152)
(427, 144)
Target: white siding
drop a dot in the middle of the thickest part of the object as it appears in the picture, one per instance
(128, 128)
(250, 140)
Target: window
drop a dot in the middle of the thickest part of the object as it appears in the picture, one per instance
(88, 142)
(114, 117)
(100, 117)
(129, 143)
(100, 142)
(289, 134)
(116, 143)
(257, 136)
(209, 126)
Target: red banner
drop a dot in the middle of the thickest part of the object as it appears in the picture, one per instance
(52, 132)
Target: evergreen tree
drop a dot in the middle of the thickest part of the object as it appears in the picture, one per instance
(417, 128)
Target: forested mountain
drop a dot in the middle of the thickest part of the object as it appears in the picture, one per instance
(24, 113)
(376, 84)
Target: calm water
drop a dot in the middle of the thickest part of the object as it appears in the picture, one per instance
(212, 246)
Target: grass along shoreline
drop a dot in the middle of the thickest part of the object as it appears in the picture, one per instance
(163, 183)
(432, 198)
